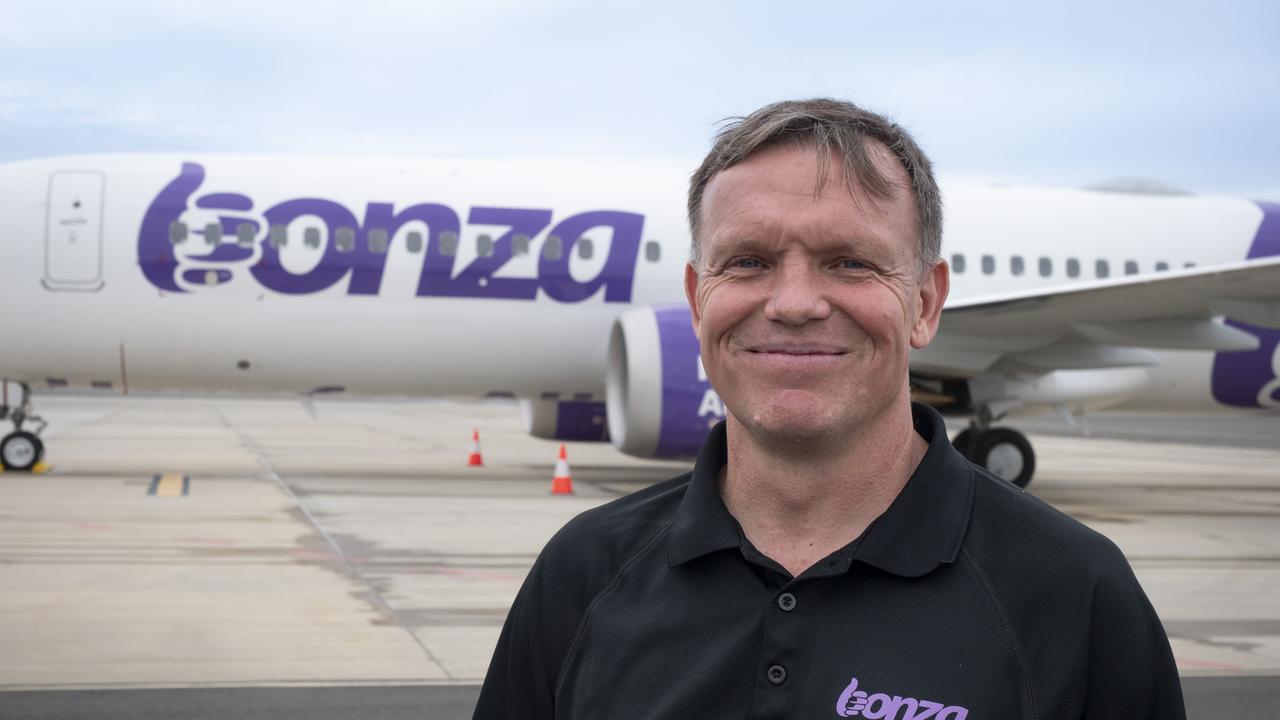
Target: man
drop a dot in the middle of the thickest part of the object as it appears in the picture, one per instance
(830, 555)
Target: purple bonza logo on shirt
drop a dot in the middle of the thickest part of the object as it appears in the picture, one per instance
(857, 703)
(241, 242)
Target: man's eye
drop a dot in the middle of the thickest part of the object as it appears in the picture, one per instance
(851, 265)
(747, 263)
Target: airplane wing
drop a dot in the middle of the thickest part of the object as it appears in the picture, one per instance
(1108, 323)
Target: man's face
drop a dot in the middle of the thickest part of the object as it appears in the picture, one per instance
(807, 304)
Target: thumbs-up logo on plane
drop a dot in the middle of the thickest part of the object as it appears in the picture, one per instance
(184, 246)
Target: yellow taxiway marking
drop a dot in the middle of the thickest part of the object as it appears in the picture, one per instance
(37, 469)
(169, 485)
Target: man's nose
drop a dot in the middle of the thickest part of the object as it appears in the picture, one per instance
(797, 297)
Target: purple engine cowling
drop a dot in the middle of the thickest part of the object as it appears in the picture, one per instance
(565, 420)
(658, 400)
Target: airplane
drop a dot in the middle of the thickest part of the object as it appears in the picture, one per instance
(560, 284)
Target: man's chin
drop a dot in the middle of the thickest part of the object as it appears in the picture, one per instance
(796, 422)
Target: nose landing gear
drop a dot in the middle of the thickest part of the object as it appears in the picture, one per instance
(20, 450)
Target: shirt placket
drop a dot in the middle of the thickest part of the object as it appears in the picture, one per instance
(782, 664)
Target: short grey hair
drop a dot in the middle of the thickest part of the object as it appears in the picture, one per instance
(828, 126)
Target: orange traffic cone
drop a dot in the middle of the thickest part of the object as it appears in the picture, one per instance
(561, 482)
(475, 460)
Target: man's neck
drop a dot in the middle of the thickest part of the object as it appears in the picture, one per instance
(797, 507)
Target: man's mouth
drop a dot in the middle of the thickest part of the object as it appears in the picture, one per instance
(798, 349)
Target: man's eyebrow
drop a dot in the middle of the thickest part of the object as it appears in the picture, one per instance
(733, 239)
(735, 243)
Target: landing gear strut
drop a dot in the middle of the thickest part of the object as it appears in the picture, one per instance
(21, 450)
(1002, 451)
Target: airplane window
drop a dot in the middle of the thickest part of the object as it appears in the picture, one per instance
(484, 246)
(1046, 267)
(345, 239)
(177, 232)
(244, 234)
(1073, 267)
(988, 264)
(1162, 266)
(414, 242)
(1188, 265)
(278, 235)
(957, 263)
(1101, 268)
(213, 233)
(1016, 265)
(448, 243)
(585, 250)
(520, 245)
(377, 241)
(551, 248)
(652, 251)
(311, 238)
(1130, 267)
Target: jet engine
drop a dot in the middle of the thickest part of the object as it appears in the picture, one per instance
(565, 420)
(658, 400)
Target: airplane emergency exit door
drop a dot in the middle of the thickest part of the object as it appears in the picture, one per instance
(73, 231)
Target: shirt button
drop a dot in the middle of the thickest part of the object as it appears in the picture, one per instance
(777, 674)
(787, 602)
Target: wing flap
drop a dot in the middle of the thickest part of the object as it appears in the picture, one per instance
(1079, 355)
(1254, 312)
(1171, 334)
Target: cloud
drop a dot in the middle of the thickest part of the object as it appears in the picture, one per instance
(1002, 90)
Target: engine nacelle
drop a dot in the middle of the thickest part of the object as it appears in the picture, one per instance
(1091, 389)
(567, 420)
(659, 402)
(1094, 389)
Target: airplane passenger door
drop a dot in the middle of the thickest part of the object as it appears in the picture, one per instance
(73, 231)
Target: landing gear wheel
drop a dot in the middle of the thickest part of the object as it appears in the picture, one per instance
(1005, 453)
(963, 442)
(20, 451)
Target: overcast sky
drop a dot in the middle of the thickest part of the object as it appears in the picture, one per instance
(1186, 93)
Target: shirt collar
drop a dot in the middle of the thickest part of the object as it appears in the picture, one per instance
(922, 529)
(703, 524)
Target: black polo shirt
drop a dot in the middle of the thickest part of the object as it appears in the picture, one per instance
(967, 598)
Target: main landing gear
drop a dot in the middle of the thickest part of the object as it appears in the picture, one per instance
(1002, 451)
(21, 450)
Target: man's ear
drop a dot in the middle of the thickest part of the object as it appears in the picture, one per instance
(691, 293)
(931, 294)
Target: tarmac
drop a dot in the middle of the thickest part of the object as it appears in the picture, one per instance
(193, 558)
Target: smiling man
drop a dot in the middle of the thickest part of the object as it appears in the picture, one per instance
(830, 554)
(808, 291)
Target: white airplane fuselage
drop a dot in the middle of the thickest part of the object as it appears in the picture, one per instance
(337, 273)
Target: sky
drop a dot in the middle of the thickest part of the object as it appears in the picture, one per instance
(1185, 93)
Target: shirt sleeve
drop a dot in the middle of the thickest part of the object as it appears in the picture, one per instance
(536, 638)
(1132, 673)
